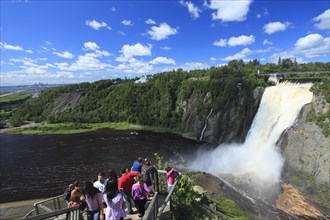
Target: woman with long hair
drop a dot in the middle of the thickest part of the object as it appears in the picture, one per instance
(140, 191)
(115, 202)
(93, 198)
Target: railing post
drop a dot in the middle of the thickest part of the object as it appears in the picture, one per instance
(36, 208)
(157, 181)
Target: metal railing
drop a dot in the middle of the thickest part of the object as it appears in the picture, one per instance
(47, 206)
(72, 213)
(153, 211)
(54, 207)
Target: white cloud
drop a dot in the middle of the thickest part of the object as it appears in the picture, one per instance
(113, 8)
(220, 43)
(266, 42)
(65, 54)
(235, 41)
(165, 48)
(95, 25)
(150, 21)
(313, 45)
(6, 46)
(323, 20)
(192, 9)
(29, 51)
(241, 55)
(133, 65)
(90, 46)
(265, 13)
(274, 27)
(227, 11)
(127, 22)
(138, 49)
(87, 62)
(121, 32)
(194, 65)
(161, 32)
(213, 59)
(102, 53)
(162, 60)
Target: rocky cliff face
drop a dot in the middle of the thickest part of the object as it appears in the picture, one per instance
(307, 155)
(229, 124)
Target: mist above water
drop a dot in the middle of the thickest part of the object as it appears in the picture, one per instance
(258, 157)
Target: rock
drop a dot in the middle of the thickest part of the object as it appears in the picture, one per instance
(198, 189)
(293, 202)
(307, 156)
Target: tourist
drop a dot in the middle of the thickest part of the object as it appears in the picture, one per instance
(67, 194)
(125, 185)
(101, 182)
(140, 192)
(137, 165)
(93, 198)
(76, 194)
(171, 174)
(112, 175)
(115, 202)
(148, 171)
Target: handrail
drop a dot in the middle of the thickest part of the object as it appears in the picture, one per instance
(71, 213)
(152, 210)
(168, 198)
(30, 213)
(56, 202)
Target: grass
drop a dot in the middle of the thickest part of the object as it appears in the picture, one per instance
(229, 208)
(14, 97)
(73, 128)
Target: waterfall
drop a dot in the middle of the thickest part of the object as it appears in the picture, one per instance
(258, 156)
(205, 125)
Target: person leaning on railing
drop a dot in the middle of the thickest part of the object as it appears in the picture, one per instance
(171, 174)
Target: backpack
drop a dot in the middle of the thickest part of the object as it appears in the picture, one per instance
(67, 194)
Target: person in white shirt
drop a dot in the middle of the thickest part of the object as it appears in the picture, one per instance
(101, 182)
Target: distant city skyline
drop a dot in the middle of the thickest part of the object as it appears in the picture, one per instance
(58, 42)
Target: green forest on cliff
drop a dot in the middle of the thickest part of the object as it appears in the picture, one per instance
(158, 101)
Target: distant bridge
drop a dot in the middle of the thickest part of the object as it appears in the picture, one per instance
(277, 77)
(295, 73)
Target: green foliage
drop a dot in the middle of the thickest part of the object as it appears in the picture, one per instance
(183, 203)
(322, 88)
(156, 103)
(320, 120)
(229, 208)
(14, 97)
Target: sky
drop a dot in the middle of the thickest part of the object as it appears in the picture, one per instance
(84, 41)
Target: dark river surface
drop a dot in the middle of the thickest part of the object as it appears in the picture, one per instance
(40, 166)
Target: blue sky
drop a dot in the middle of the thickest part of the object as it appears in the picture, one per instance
(79, 41)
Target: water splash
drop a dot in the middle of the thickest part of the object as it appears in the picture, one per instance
(259, 157)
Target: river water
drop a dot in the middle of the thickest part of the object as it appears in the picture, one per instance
(40, 166)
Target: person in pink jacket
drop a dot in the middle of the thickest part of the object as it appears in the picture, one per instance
(171, 174)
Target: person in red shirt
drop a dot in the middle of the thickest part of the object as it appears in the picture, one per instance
(125, 184)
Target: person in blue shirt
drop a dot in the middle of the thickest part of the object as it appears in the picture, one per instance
(137, 165)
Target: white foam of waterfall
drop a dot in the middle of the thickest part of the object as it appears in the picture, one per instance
(258, 156)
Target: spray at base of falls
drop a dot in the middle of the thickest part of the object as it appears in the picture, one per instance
(259, 157)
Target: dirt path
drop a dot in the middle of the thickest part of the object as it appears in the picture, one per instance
(30, 125)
